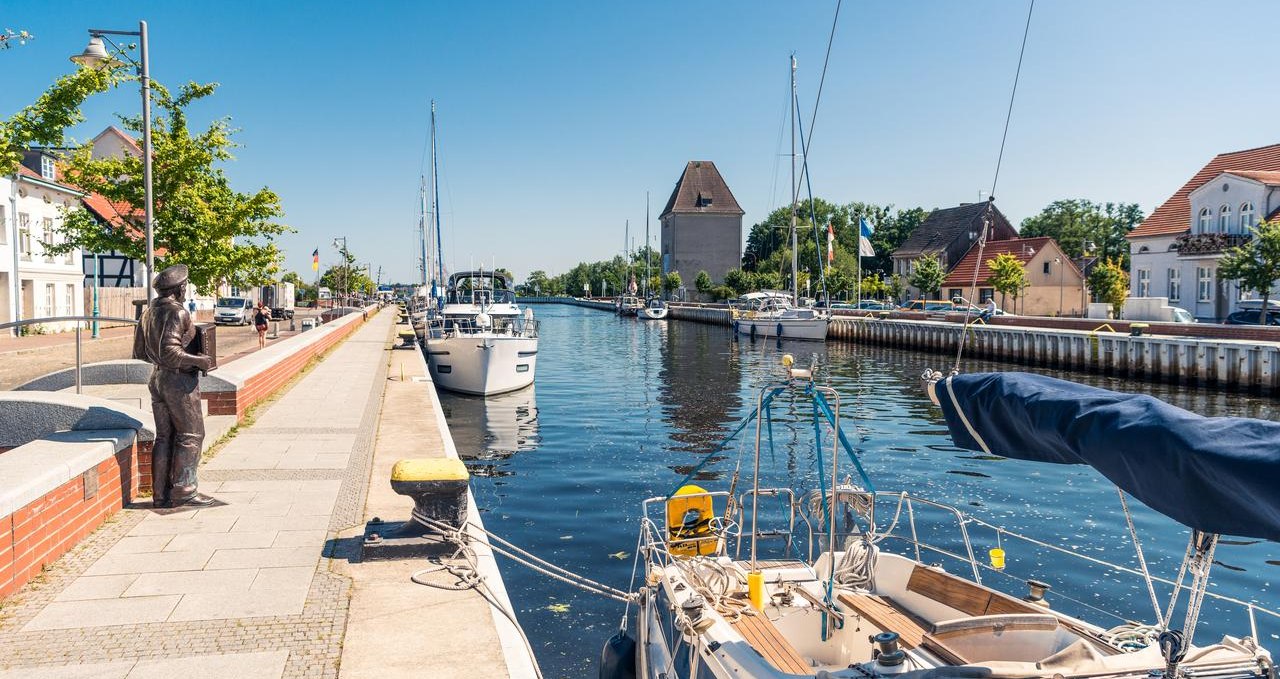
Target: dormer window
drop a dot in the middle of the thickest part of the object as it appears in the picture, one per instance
(1224, 219)
(1206, 221)
(47, 169)
(1246, 216)
(704, 200)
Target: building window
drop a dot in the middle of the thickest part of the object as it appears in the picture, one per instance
(955, 294)
(1144, 282)
(71, 300)
(1175, 285)
(1204, 284)
(1046, 268)
(47, 168)
(48, 300)
(1206, 220)
(24, 236)
(1224, 219)
(986, 295)
(47, 239)
(1246, 217)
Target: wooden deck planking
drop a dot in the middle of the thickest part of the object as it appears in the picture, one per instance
(770, 644)
(888, 616)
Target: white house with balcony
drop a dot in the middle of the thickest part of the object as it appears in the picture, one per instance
(35, 283)
(1174, 253)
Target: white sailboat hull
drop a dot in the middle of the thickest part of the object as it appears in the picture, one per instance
(482, 363)
(652, 314)
(786, 328)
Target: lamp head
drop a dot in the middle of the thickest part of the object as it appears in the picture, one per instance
(95, 55)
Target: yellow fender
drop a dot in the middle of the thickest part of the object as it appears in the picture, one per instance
(689, 520)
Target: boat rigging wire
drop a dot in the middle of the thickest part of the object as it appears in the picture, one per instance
(991, 197)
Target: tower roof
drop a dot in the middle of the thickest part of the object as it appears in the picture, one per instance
(701, 190)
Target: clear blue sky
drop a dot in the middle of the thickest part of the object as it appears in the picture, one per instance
(556, 117)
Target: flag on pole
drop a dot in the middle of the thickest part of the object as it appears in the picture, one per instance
(315, 260)
(831, 244)
(864, 239)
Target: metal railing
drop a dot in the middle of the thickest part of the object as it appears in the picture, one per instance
(80, 322)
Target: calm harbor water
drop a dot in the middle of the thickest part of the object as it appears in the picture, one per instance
(623, 409)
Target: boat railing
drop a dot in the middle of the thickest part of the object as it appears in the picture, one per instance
(908, 503)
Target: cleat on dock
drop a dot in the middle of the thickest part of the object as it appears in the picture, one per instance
(438, 488)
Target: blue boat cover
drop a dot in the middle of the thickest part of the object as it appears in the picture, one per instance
(1215, 474)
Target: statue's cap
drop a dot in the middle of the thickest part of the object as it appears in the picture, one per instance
(171, 277)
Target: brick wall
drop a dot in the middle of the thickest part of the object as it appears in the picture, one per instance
(267, 382)
(37, 534)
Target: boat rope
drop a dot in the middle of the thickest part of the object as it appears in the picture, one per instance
(724, 442)
(991, 197)
(1142, 560)
(460, 536)
(1200, 568)
(468, 574)
(1177, 584)
(813, 216)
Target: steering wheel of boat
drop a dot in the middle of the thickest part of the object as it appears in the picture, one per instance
(722, 527)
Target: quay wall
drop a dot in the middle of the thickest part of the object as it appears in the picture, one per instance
(1236, 358)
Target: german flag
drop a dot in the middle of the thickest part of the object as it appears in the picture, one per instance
(315, 260)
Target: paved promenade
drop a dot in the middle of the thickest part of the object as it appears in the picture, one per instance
(242, 589)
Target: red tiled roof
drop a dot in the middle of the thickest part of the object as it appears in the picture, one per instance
(701, 190)
(1174, 216)
(114, 213)
(1021, 248)
(1264, 176)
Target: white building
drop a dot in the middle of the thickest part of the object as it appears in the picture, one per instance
(33, 282)
(1174, 253)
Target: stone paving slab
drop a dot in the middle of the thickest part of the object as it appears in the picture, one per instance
(241, 589)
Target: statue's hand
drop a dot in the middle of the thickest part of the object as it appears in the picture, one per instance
(206, 364)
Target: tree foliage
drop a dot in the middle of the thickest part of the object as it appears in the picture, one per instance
(703, 283)
(1008, 276)
(1109, 282)
(1075, 222)
(347, 278)
(222, 235)
(1256, 264)
(45, 122)
(927, 275)
(671, 282)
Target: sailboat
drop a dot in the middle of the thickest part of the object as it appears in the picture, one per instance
(654, 307)
(627, 303)
(838, 583)
(771, 313)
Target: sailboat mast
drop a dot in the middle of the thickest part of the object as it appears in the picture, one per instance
(435, 199)
(626, 255)
(647, 263)
(422, 228)
(795, 255)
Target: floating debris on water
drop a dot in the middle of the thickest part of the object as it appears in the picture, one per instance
(558, 608)
(962, 472)
(618, 555)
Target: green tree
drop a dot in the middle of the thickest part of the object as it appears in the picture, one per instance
(347, 279)
(45, 122)
(536, 283)
(703, 283)
(9, 36)
(1256, 264)
(1109, 282)
(671, 282)
(894, 287)
(739, 281)
(1008, 277)
(1076, 223)
(222, 235)
(927, 275)
(302, 290)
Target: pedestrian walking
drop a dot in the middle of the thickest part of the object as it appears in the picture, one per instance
(260, 318)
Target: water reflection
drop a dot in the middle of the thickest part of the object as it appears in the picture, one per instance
(487, 431)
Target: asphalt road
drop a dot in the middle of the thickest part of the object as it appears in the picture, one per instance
(24, 359)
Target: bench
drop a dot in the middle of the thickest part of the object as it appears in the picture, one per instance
(770, 644)
(962, 595)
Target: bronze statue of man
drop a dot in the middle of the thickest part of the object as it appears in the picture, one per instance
(163, 338)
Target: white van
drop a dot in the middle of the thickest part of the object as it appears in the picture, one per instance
(233, 311)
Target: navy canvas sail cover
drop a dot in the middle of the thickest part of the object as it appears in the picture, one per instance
(1215, 474)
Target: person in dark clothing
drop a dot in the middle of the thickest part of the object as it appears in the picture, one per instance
(261, 316)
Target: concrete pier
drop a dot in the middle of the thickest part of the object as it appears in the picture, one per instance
(266, 583)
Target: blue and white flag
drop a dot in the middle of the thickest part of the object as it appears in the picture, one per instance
(864, 239)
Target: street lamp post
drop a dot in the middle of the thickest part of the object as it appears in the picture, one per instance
(95, 56)
(1058, 262)
(342, 289)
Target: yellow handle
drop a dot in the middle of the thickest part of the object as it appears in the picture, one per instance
(755, 589)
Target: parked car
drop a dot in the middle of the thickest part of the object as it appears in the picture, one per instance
(928, 305)
(233, 311)
(1254, 317)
